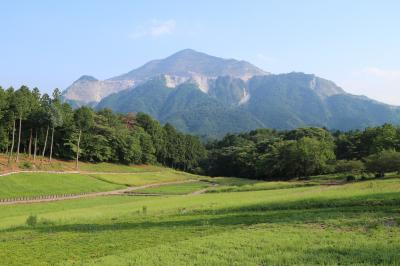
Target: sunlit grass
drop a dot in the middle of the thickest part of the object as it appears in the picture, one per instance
(139, 179)
(37, 184)
(176, 189)
(354, 223)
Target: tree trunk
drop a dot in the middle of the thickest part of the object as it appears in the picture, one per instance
(12, 143)
(35, 148)
(45, 143)
(19, 137)
(30, 145)
(77, 151)
(51, 145)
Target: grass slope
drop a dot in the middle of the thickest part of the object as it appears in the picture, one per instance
(355, 223)
(36, 184)
(175, 189)
(163, 175)
(43, 164)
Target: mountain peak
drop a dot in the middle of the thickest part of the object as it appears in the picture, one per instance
(186, 51)
(86, 78)
(190, 53)
(189, 63)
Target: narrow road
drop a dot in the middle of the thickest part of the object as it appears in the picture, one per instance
(92, 194)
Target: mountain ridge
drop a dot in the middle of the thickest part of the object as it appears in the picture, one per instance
(183, 66)
(212, 96)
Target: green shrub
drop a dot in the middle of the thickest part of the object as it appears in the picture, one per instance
(31, 220)
(350, 178)
(25, 165)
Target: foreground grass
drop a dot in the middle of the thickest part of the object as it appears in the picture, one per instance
(355, 223)
(37, 184)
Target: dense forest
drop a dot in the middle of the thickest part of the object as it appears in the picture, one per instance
(36, 124)
(302, 152)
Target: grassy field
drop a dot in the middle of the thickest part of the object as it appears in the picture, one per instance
(38, 184)
(353, 223)
(139, 179)
(176, 189)
(257, 186)
(118, 168)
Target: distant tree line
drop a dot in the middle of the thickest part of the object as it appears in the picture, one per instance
(38, 124)
(302, 152)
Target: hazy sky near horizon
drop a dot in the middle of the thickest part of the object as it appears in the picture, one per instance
(50, 44)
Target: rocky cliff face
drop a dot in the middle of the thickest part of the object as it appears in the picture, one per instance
(88, 89)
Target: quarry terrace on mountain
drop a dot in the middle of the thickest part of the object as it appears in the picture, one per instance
(211, 96)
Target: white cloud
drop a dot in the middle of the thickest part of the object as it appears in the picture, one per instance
(377, 83)
(155, 29)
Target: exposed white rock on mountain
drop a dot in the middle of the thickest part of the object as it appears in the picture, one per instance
(88, 89)
(184, 66)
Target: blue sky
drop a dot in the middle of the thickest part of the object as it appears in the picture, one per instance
(50, 44)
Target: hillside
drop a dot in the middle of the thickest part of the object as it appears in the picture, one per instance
(231, 105)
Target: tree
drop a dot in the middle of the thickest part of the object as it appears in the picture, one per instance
(314, 155)
(147, 148)
(349, 166)
(297, 158)
(383, 162)
(55, 121)
(83, 118)
(46, 113)
(3, 121)
(156, 132)
(22, 104)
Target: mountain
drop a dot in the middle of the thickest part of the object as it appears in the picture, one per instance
(211, 96)
(184, 66)
(186, 107)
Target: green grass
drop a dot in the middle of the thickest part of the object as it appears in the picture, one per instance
(139, 179)
(355, 223)
(37, 184)
(257, 186)
(230, 181)
(118, 168)
(176, 189)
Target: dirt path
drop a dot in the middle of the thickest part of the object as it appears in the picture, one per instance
(91, 194)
